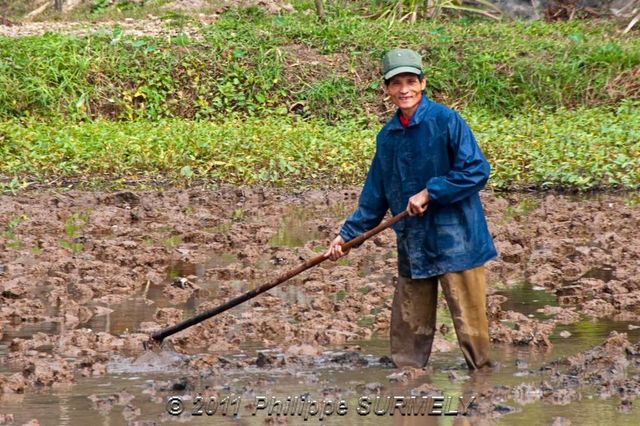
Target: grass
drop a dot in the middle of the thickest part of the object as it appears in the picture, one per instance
(289, 100)
(12, 240)
(587, 148)
(255, 64)
(73, 229)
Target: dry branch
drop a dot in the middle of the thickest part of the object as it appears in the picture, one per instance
(38, 10)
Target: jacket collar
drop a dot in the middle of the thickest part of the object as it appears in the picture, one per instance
(418, 116)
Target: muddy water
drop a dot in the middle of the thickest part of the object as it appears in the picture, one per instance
(248, 245)
(70, 405)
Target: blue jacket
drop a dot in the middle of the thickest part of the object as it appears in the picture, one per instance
(436, 151)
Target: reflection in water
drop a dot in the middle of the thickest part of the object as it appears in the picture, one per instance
(585, 334)
(73, 407)
(127, 315)
(295, 231)
(605, 274)
(526, 299)
(63, 405)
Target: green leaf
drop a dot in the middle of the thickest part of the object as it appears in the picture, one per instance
(186, 172)
(181, 39)
(576, 37)
(116, 34)
(138, 43)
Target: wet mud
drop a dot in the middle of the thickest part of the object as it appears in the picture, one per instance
(85, 276)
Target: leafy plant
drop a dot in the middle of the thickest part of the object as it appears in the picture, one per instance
(580, 149)
(366, 322)
(99, 6)
(14, 185)
(13, 242)
(340, 295)
(255, 65)
(126, 4)
(73, 228)
(238, 215)
(172, 241)
(525, 206)
(290, 101)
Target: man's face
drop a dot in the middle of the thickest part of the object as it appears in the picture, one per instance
(405, 91)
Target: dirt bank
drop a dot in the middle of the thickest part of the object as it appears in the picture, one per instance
(180, 16)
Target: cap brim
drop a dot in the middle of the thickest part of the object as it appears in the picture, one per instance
(400, 70)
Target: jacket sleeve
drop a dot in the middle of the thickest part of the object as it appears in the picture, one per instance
(469, 168)
(372, 205)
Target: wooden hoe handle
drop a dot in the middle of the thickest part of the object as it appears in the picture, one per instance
(160, 335)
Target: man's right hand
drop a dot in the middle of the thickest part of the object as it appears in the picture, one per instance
(335, 249)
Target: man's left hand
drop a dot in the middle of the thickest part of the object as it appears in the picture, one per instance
(418, 203)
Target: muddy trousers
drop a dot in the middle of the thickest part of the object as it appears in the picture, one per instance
(413, 317)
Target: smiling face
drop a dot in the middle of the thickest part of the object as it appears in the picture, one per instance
(405, 91)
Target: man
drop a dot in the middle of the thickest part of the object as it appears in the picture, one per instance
(427, 161)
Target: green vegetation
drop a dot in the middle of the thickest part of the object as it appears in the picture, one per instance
(256, 64)
(523, 208)
(289, 99)
(73, 229)
(364, 290)
(13, 242)
(172, 241)
(168, 237)
(366, 321)
(343, 261)
(340, 295)
(583, 148)
(237, 215)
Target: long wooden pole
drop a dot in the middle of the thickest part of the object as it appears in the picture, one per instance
(159, 336)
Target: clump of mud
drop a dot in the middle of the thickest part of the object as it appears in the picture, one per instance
(585, 251)
(608, 368)
(87, 272)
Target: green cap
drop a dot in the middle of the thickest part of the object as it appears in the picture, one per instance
(397, 61)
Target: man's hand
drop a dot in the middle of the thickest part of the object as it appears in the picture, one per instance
(418, 203)
(335, 249)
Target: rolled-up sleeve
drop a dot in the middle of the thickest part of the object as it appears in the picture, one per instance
(469, 168)
(372, 204)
